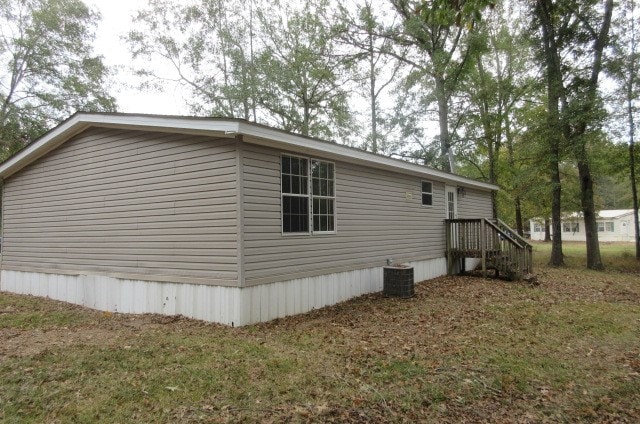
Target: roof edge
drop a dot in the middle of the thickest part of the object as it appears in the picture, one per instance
(253, 132)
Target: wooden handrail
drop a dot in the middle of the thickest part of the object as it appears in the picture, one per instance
(502, 233)
(518, 236)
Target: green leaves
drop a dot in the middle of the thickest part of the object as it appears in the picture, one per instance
(302, 75)
(450, 13)
(255, 60)
(48, 67)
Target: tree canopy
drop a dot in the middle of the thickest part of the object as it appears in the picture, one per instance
(48, 67)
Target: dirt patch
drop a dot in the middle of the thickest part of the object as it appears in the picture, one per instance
(24, 343)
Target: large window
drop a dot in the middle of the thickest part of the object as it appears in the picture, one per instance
(308, 204)
(427, 193)
(570, 227)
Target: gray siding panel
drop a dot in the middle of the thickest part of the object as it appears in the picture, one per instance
(474, 204)
(375, 221)
(127, 203)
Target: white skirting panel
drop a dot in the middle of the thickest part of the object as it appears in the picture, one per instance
(428, 269)
(208, 303)
(471, 263)
(226, 305)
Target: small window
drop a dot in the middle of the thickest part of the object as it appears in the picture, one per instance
(605, 226)
(537, 228)
(570, 227)
(427, 193)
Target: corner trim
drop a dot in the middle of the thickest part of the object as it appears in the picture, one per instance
(240, 208)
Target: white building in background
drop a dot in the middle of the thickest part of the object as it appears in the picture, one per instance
(613, 225)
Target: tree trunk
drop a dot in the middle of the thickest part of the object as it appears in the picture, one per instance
(632, 172)
(492, 177)
(547, 230)
(631, 75)
(557, 257)
(373, 97)
(491, 137)
(594, 261)
(306, 120)
(544, 9)
(252, 61)
(517, 204)
(443, 121)
(519, 226)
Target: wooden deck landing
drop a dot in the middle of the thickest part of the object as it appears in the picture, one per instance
(497, 246)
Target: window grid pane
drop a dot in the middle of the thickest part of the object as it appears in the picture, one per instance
(295, 214)
(294, 175)
(295, 197)
(323, 194)
(450, 206)
(427, 193)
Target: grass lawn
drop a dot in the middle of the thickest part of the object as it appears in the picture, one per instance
(617, 256)
(463, 349)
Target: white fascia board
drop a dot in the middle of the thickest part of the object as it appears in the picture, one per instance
(164, 123)
(258, 134)
(81, 121)
(47, 142)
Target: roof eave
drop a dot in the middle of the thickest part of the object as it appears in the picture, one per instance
(274, 138)
(82, 121)
(252, 133)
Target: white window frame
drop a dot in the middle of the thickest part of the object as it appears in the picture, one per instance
(538, 228)
(309, 196)
(454, 191)
(606, 227)
(426, 192)
(571, 227)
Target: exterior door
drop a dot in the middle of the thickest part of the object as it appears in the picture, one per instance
(451, 202)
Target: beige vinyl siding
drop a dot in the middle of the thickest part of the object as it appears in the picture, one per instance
(375, 221)
(128, 203)
(474, 204)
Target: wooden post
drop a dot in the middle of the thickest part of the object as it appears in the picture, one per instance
(483, 247)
